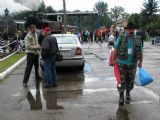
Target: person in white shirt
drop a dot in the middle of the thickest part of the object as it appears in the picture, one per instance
(111, 40)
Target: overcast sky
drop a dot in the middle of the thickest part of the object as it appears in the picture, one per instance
(130, 6)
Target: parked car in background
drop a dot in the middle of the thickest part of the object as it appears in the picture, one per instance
(72, 51)
(156, 40)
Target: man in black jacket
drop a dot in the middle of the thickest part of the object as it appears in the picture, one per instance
(49, 51)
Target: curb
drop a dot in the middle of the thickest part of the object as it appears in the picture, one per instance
(9, 70)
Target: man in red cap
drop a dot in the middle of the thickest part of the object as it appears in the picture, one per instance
(49, 51)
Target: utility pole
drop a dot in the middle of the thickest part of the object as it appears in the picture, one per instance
(65, 16)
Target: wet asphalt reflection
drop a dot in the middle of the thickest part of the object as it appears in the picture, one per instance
(71, 86)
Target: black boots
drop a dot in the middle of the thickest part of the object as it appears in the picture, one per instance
(128, 97)
(121, 98)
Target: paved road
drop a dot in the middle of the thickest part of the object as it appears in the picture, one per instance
(88, 95)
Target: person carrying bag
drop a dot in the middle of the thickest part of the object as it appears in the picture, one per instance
(127, 54)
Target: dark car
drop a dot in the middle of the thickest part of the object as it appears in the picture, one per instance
(156, 40)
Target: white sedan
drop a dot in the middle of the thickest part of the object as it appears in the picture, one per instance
(71, 49)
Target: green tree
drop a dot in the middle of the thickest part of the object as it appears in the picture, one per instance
(150, 7)
(149, 18)
(50, 9)
(101, 7)
(125, 15)
(42, 7)
(116, 13)
(134, 20)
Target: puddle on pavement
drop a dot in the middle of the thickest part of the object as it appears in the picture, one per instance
(71, 86)
(47, 99)
(122, 113)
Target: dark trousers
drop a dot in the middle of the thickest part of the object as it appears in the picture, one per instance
(32, 59)
(142, 42)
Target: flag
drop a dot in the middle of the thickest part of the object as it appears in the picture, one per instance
(32, 4)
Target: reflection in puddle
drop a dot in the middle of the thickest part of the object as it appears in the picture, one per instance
(122, 113)
(35, 103)
(48, 99)
(38, 100)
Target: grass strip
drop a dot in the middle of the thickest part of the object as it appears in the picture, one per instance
(5, 64)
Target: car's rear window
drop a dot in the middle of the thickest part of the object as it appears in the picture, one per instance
(66, 40)
(158, 37)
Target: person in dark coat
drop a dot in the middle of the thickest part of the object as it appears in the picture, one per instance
(40, 38)
(49, 51)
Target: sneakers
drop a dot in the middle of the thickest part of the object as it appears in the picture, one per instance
(24, 85)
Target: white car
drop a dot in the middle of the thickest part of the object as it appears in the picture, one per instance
(71, 49)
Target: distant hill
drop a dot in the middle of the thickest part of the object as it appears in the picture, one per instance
(11, 6)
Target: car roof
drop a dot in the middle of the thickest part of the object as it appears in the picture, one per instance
(63, 35)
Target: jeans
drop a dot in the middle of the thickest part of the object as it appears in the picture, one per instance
(50, 71)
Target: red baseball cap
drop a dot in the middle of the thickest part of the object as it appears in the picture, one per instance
(46, 29)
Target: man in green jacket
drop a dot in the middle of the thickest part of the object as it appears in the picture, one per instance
(127, 54)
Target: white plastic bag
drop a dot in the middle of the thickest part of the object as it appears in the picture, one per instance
(137, 79)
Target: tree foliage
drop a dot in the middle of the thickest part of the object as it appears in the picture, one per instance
(134, 20)
(150, 7)
(116, 13)
(42, 7)
(50, 9)
(101, 7)
(149, 18)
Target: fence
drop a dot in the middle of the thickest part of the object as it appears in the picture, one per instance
(8, 49)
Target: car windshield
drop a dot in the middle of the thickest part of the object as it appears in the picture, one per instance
(66, 40)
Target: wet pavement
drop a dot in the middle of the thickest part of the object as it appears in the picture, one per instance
(87, 95)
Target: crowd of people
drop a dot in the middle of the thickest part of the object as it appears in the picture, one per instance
(128, 54)
(14, 43)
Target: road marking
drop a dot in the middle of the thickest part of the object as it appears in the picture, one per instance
(87, 91)
(150, 93)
